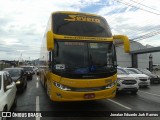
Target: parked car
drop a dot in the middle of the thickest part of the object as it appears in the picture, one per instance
(35, 69)
(28, 71)
(126, 82)
(7, 92)
(153, 77)
(19, 77)
(156, 67)
(144, 79)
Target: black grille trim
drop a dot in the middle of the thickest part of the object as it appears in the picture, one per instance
(129, 82)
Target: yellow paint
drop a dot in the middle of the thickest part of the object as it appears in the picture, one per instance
(125, 41)
(50, 41)
(67, 37)
(82, 18)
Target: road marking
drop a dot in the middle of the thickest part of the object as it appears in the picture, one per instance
(120, 104)
(37, 78)
(37, 85)
(37, 104)
(37, 107)
(150, 93)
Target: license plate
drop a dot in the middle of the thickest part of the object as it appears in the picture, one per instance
(143, 83)
(156, 81)
(90, 95)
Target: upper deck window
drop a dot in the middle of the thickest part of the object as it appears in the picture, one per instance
(80, 25)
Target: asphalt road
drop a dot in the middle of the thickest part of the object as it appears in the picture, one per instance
(34, 98)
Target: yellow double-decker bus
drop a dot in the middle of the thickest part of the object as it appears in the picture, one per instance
(79, 58)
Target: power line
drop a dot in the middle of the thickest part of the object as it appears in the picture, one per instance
(146, 36)
(138, 2)
(130, 32)
(137, 7)
(139, 38)
(147, 31)
(144, 5)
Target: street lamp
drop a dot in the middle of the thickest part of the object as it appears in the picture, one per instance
(29, 61)
(150, 62)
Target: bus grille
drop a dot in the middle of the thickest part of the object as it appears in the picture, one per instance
(143, 79)
(88, 89)
(129, 82)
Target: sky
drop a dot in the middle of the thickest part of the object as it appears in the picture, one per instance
(23, 22)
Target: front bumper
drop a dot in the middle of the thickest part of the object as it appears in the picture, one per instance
(20, 86)
(144, 83)
(155, 80)
(123, 87)
(61, 95)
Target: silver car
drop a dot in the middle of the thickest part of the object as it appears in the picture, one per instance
(126, 82)
(144, 79)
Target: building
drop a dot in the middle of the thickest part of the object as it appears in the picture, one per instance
(125, 59)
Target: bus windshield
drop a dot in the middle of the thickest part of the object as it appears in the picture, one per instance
(84, 57)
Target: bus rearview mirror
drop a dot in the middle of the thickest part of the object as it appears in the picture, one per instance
(122, 39)
(50, 41)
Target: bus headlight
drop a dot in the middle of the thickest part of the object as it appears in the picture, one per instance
(111, 85)
(62, 87)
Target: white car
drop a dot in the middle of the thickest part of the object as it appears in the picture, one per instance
(144, 79)
(126, 82)
(7, 92)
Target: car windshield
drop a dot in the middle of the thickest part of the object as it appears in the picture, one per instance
(134, 71)
(147, 71)
(84, 57)
(122, 71)
(14, 72)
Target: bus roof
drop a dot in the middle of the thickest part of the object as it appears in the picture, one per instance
(71, 12)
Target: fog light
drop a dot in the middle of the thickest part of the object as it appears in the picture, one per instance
(59, 95)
